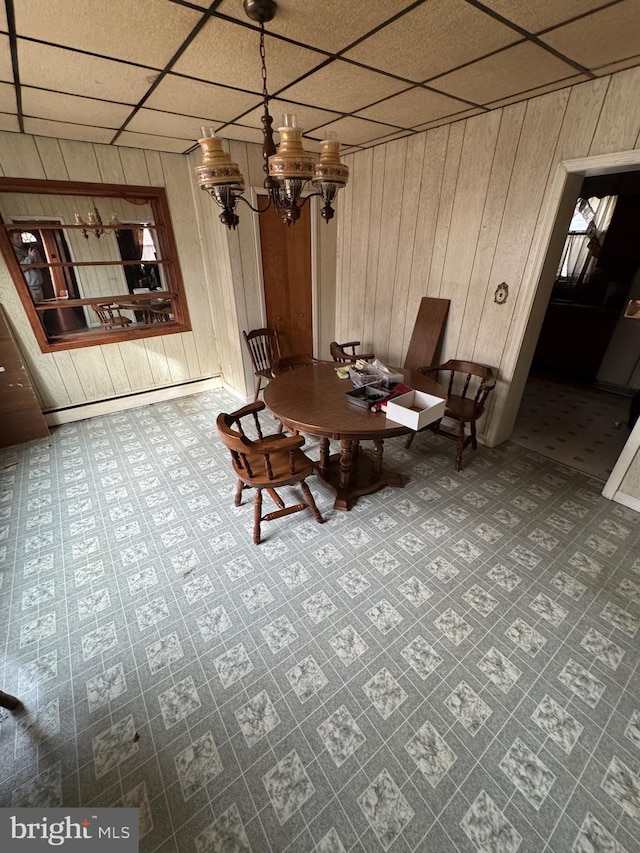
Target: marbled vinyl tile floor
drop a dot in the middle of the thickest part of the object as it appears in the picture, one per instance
(581, 427)
(451, 666)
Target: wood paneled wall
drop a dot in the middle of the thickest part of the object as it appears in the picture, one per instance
(457, 210)
(98, 373)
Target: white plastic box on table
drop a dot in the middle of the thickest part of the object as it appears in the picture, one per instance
(415, 409)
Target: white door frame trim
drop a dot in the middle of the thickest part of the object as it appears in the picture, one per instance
(536, 288)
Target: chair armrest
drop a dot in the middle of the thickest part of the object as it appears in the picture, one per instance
(249, 409)
(425, 370)
(277, 444)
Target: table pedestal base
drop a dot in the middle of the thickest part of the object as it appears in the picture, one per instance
(350, 475)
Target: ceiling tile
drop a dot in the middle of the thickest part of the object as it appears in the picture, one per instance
(8, 122)
(343, 87)
(383, 139)
(307, 117)
(228, 54)
(517, 69)
(600, 38)
(155, 143)
(356, 131)
(618, 66)
(534, 17)
(449, 33)
(6, 69)
(541, 90)
(193, 97)
(7, 98)
(145, 31)
(458, 117)
(167, 124)
(412, 107)
(241, 133)
(62, 130)
(79, 74)
(3, 18)
(329, 26)
(38, 103)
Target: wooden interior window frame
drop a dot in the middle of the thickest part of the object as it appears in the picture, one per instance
(157, 198)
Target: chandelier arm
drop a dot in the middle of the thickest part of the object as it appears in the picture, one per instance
(255, 209)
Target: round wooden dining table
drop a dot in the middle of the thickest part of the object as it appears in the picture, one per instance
(312, 400)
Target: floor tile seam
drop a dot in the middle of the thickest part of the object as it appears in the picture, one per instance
(579, 782)
(496, 737)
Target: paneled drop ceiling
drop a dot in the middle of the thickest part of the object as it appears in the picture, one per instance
(150, 73)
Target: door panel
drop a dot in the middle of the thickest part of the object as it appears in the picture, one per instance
(286, 269)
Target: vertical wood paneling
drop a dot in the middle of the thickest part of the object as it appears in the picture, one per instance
(411, 193)
(92, 371)
(178, 183)
(581, 118)
(474, 170)
(157, 361)
(378, 213)
(530, 172)
(220, 283)
(445, 207)
(480, 287)
(393, 185)
(115, 363)
(134, 363)
(52, 160)
(344, 252)
(80, 160)
(110, 165)
(20, 157)
(619, 122)
(155, 169)
(427, 219)
(134, 165)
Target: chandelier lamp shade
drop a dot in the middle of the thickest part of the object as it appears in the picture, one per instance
(289, 169)
(93, 224)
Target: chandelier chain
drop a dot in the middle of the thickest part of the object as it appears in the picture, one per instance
(263, 60)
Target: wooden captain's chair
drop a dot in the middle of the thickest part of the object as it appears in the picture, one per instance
(110, 316)
(469, 386)
(339, 352)
(265, 463)
(264, 348)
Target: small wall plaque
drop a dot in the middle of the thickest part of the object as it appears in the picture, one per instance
(502, 291)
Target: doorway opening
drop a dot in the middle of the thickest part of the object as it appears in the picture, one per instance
(577, 404)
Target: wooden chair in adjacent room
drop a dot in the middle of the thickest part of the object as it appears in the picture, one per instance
(265, 463)
(264, 349)
(339, 352)
(110, 316)
(469, 386)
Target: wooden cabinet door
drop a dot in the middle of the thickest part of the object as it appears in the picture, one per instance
(286, 269)
(21, 418)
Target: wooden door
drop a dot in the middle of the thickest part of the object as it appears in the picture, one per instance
(21, 418)
(286, 270)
